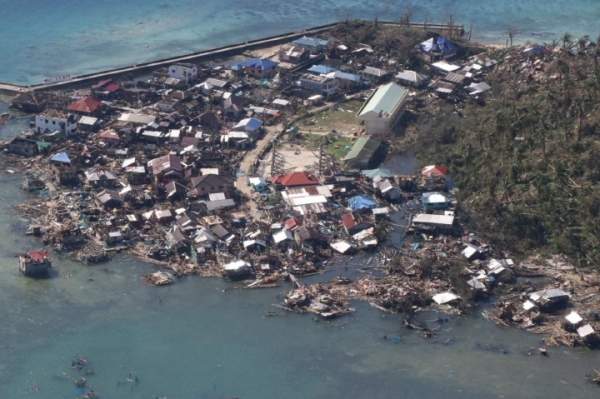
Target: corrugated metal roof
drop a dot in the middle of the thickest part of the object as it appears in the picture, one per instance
(282, 236)
(341, 246)
(88, 120)
(212, 205)
(321, 69)
(237, 265)
(363, 149)
(141, 119)
(216, 196)
(385, 99)
(444, 66)
(310, 209)
(434, 219)
(310, 41)
(411, 76)
(313, 199)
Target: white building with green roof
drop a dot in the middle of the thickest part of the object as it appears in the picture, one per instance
(383, 109)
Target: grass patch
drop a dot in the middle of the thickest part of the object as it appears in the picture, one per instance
(342, 119)
(335, 146)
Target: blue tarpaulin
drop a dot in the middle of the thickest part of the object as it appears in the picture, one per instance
(361, 202)
(437, 44)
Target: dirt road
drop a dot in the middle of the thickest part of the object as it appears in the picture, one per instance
(251, 157)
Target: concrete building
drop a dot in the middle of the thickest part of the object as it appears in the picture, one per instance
(326, 86)
(53, 120)
(383, 109)
(183, 71)
(35, 264)
(21, 146)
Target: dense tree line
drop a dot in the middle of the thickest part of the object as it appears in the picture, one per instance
(528, 161)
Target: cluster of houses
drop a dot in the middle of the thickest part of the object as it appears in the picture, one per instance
(159, 159)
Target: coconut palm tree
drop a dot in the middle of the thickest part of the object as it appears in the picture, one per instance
(567, 41)
(582, 42)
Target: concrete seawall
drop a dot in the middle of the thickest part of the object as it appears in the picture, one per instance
(86, 80)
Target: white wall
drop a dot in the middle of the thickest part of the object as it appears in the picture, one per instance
(184, 73)
(52, 124)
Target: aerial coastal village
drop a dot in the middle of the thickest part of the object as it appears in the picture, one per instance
(270, 165)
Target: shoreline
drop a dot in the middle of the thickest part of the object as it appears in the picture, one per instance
(401, 293)
(203, 55)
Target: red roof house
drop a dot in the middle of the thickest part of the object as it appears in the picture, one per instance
(434, 170)
(292, 223)
(105, 89)
(354, 226)
(86, 106)
(349, 221)
(296, 179)
(110, 137)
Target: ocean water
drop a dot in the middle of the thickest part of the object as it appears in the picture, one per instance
(49, 38)
(206, 338)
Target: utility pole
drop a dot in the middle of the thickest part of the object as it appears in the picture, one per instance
(321, 158)
(277, 161)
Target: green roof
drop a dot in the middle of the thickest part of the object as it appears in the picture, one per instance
(384, 99)
(363, 149)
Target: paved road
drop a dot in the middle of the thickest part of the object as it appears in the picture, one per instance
(14, 88)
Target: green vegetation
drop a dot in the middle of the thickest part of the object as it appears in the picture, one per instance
(342, 119)
(527, 162)
(394, 41)
(334, 145)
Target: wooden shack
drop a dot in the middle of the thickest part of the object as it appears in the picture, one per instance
(35, 264)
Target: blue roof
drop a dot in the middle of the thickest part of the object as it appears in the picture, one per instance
(61, 157)
(437, 44)
(321, 69)
(249, 124)
(361, 202)
(347, 76)
(310, 41)
(258, 63)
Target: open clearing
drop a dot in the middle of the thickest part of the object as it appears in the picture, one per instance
(342, 119)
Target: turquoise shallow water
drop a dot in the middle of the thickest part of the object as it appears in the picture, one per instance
(193, 340)
(50, 38)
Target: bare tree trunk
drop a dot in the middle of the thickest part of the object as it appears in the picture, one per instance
(470, 29)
